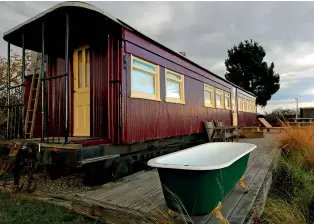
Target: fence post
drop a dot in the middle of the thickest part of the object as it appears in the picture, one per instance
(8, 93)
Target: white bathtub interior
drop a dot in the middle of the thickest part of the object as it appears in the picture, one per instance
(207, 156)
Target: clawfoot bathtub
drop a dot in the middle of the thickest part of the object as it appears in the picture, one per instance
(196, 180)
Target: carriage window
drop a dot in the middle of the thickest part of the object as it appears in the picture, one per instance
(244, 105)
(227, 101)
(87, 67)
(174, 87)
(80, 69)
(81, 59)
(208, 96)
(252, 106)
(144, 79)
(240, 106)
(219, 98)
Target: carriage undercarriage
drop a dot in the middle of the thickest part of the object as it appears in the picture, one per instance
(100, 163)
(17, 158)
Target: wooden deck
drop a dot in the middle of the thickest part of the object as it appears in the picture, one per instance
(140, 194)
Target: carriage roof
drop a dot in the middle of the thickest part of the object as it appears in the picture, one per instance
(33, 24)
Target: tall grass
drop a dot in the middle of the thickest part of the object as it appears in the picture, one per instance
(291, 197)
(280, 211)
(298, 143)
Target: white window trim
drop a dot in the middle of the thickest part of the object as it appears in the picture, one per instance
(222, 100)
(244, 105)
(182, 90)
(240, 104)
(209, 88)
(228, 95)
(146, 96)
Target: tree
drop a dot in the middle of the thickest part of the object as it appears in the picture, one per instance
(15, 70)
(15, 79)
(285, 113)
(280, 113)
(246, 68)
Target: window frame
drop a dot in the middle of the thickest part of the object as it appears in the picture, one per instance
(141, 95)
(240, 104)
(244, 103)
(209, 88)
(247, 105)
(182, 90)
(83, 79)
(228, 95)
(222, 100)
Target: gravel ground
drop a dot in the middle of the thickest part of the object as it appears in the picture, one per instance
(63, 186)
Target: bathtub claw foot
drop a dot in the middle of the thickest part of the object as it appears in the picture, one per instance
(170, 212)
(217, 213)
(242, 184)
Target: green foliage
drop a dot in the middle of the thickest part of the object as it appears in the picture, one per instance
(282, 114)
(294, 183)
(13, 211)
(246, 68)
(285, 113)
(291, 197)
(278, 211)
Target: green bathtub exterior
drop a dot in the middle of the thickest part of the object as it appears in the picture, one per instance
(200, 191)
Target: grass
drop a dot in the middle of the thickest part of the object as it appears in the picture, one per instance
(21, 211)
(280, 211)
(298, 144)
(291, 197)
(28, 211)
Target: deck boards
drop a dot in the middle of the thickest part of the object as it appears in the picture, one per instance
(141, 192)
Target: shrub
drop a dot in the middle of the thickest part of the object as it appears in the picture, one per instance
(291, 198)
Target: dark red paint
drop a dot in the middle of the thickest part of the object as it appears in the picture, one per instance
(105, 70)
(148, 119)
(246, 118)
(150, 51)
(28, 82)
(117, 118)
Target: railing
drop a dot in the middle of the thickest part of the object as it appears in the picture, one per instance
(300, 121)
(53, 108)
(15, 118)
(15, 110)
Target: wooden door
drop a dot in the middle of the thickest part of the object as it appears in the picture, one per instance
(81, 67)
(234, 107)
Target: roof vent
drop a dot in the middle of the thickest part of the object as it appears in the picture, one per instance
(182, 53)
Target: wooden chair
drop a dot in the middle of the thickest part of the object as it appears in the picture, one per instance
(214, 133)
(229, 132)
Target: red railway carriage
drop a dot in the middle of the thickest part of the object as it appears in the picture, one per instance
(108, 92)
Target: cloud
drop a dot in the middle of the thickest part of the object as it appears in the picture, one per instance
(206, 30)
(309, 92)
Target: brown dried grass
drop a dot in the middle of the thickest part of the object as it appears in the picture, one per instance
(297, 143)
(280, 211)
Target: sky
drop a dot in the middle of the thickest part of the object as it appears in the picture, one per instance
(206, 30)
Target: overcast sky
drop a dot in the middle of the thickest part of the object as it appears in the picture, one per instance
(206, 30)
